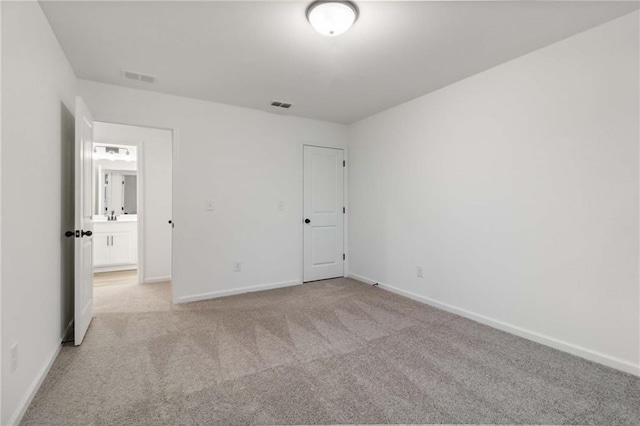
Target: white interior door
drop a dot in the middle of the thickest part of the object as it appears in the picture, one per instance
(83, 221)
(323, 213)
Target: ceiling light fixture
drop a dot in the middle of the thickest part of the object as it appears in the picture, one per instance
(332, 18)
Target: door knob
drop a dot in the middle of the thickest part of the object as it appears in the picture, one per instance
(87, 233)
(69, 234)
(307, 221)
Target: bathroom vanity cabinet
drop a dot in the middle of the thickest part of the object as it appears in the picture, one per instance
(115, 244)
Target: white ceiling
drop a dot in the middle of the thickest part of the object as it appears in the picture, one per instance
(250, 53)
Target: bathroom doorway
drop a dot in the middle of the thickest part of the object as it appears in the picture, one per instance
(115, 204)
(132, 202)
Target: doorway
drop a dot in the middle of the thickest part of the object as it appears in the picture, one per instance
(323, 224)
(123, 187)
(115, 206)
(132, 201)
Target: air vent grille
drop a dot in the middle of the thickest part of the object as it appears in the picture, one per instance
(147, 78)
(132, 75)
(280, 104)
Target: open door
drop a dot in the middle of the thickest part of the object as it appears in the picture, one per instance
(83, 221)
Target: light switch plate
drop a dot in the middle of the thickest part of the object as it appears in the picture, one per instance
(209, 206)
(280, 205)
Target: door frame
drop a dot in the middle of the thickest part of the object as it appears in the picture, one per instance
(124, 121)
(345, 216)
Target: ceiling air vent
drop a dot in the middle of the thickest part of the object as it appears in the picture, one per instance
(131, 75)
(279, 104)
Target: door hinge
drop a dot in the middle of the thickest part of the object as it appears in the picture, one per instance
(344, 210)
(344, 256)
(344, 163)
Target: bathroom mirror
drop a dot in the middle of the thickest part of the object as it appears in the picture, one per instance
(117, 192)
(130, 193)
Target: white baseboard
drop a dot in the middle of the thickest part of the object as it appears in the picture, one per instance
(115, 268)
(591, 355)
(156, 280)
(362, 279)
(223, 293)
(33, 389)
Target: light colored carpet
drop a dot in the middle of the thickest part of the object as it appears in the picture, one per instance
(329, 352)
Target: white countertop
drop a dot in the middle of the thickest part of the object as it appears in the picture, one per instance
(120, 218)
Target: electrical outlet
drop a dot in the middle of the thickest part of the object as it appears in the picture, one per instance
(14, 357)
(237, 266)
(280, 205)
(419, 272)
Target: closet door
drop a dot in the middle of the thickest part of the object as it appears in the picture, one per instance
(323, 222)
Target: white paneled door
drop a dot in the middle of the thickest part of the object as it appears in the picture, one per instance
(323, 213)
(83, 222)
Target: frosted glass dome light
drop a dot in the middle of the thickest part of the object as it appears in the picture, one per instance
(332, 18)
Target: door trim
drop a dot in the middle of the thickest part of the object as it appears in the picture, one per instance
(107, 119)
(345, 216)
(175, 160)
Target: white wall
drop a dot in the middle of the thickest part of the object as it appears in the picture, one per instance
(517, 191)
(155, 169)
(244, 162)
(38, 89)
